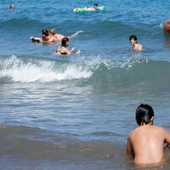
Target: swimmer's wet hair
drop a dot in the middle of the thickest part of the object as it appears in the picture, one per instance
(52, 31)
(95, 4)
(144, 113)
(64, 41)
(45, 32)
(133, 37)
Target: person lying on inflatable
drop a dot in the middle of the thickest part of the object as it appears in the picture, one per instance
(94, 8)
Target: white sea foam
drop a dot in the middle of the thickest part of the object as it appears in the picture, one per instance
(43, 71)
(38, 70)
(159, 26)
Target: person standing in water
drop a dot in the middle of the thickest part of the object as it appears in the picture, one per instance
(62, 50)
(133, 41)
(146, 143)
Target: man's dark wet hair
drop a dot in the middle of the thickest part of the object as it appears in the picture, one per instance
(64, 41)
(133, 37)
(45, 32)
(95, 4)
(144, 113)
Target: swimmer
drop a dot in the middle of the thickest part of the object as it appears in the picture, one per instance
(55, 37)
(94, 8)
(146, 143)
(133, 41)
(62, 50)
(48, 37)
(44, 34)
(11, 6)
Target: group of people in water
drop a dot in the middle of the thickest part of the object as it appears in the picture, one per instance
(51, 36)
(48, 36)
(146, 142)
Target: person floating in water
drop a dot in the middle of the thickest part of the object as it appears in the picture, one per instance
(44, 35)
(48, 36)
(94, 8)
(62, 50)
(133, 41)
(146, 143)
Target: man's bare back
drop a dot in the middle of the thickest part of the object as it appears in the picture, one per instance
(146, 143)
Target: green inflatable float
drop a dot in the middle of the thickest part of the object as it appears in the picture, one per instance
(99, 8)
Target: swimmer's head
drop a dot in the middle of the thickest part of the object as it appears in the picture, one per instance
(65, 42)
(95, 4)
(133, 39)
(45, 32)
(52, 31)
(11, 6)
(144, 114)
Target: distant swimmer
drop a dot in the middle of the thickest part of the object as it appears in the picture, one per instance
(167, 27)
(62, 50)
(94, 8)
(44, 35)
(133, 41)
(146, 143)
(11, 6)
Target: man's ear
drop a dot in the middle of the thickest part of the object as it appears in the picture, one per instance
(152, 119)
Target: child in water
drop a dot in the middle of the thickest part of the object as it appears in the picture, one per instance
(133, 41)
(146, 142)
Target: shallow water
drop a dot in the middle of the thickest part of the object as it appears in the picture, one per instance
(76, 112)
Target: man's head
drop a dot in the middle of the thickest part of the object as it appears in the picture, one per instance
(44, 32)
(144, 114)
(95, 4)
(133, 39)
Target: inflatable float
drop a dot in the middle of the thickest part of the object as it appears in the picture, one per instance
(86, 9)
(167, 27)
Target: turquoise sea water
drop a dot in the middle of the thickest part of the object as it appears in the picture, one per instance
(76, 112)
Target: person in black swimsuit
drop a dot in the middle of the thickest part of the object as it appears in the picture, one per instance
(62, 50)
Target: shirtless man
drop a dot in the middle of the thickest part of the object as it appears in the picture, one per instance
(133, 41)
(146, 143)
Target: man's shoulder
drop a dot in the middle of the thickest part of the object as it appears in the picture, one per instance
(158, 127)
(133, 132)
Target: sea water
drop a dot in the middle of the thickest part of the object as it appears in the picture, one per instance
(76, 112)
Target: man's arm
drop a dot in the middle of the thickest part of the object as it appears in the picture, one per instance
(36, 39)
(167, 137)
(129, 146)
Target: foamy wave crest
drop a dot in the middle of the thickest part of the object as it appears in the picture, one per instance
(19, 70)
(159, 26)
